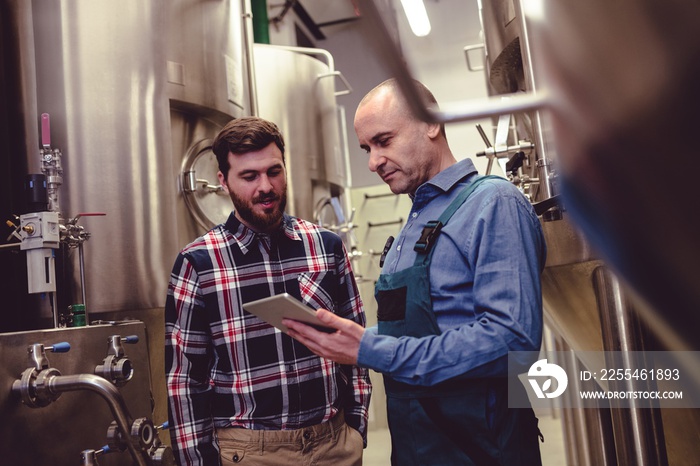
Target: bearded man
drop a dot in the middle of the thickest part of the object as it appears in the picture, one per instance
(237, 386)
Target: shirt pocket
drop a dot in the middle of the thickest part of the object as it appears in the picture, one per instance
(318, 289)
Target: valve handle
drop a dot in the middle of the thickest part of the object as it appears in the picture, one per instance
(131, 339)
(45, 130)
(91, 214)
(62, 347)
(15, 230)
(74, 220)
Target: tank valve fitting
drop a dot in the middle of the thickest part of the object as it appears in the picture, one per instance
(143, 435)
(89, 457)
(116, 367)
(32, 385)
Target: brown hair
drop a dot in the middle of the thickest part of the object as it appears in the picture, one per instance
(242, 135)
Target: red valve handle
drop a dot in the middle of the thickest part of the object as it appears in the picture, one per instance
(45, 130)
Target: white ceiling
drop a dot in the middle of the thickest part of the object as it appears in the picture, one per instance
(455, 23)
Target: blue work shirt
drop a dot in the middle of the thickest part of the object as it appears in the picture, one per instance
(484, 283)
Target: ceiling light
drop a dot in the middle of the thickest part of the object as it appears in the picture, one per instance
(417, 17)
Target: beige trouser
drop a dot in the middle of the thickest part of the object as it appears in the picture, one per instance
(331, 443)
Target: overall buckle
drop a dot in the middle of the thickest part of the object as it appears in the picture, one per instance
(428, 236)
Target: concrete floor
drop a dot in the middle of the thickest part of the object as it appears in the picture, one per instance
(379, 444)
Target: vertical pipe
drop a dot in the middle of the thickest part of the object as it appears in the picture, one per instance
(569, 422)
(54, 309)
(261, 28)
(543, 163)
(250, 62)
(638, 430)
(81, 258)
(587, 431)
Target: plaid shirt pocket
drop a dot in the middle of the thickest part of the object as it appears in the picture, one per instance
(317, 289)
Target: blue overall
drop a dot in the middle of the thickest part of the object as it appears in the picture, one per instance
(460, 421)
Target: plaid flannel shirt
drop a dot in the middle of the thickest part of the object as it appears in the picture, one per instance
(226, 367)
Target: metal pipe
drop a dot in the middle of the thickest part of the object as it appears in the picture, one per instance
(261, 28)
(110, 393)
(569, 421)
(81, 259)
(398, 221)
(538, 132)
(638, 430)
(588, 438)
(309, 50)
(329, 61)
(248, 42)
(54, 309)
(582, 447)
(377, 196)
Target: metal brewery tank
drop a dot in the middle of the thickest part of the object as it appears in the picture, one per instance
(134, 91)
(208, 84)
(586, 305)
(110, 80)
(295, 88)
(97, 68)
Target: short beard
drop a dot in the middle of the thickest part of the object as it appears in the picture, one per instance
(260, 223)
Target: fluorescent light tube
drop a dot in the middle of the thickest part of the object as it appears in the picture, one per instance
(417, 17)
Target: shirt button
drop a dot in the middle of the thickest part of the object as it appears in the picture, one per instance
(414, 215)
(398, 248)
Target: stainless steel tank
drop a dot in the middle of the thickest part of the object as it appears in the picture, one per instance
(136, 91)
(128, 87)
(208, 73)
(112, 114)
(297, 90)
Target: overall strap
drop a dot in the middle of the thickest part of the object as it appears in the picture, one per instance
(424, 246)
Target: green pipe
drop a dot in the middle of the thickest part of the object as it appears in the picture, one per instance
(261, 28)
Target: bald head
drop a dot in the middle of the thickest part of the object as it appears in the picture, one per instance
(403, 150)
(391, 87)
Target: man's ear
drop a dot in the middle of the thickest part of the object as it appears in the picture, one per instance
(433, 130)
(222, 181)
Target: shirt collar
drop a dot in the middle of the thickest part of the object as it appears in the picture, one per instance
(445, 180)
(245, 237)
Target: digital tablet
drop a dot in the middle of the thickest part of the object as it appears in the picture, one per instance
(283, 306)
